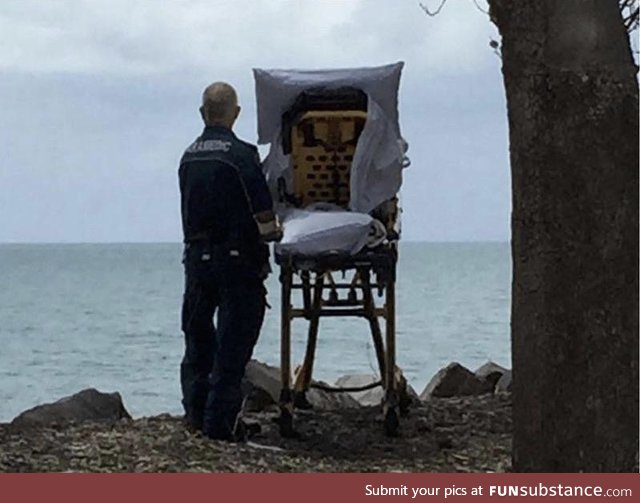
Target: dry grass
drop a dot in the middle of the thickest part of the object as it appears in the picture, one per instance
(443, 435)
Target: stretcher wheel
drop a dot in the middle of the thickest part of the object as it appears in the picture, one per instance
(286, 424)
(391, 422)
(300, 401)
(405, 401)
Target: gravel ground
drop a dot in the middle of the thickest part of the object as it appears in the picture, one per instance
(442, 435)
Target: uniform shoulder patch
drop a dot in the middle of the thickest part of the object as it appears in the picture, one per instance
(209, 146)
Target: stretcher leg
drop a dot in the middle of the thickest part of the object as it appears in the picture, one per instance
(374, 324)
(286, 395)
(391, 400)
(303, 379)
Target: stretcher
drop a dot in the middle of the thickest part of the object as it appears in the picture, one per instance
(318, 140)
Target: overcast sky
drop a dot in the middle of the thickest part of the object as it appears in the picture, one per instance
(99, 98)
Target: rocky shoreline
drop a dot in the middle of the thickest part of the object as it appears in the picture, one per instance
(464, 432)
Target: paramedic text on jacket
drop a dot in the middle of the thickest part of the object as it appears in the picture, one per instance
(227, 217)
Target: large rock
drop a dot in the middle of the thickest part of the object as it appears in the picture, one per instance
(490, 372)
(368, 397)
(261, 386)
(504, 383)
(455, 380)
(375, 395)
(324, 400)
(86, 405)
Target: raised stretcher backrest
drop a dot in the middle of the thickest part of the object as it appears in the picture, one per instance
(322, 147)
(321, 132)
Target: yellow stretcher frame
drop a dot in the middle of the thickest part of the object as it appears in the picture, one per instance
(323, 146)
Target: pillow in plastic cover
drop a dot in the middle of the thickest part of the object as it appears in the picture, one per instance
(309, 233)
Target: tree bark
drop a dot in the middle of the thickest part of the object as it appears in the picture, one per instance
(572, 99)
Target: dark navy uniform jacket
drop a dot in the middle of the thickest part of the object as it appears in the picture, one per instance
(221, 188)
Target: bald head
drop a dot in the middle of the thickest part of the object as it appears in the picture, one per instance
(219, 105)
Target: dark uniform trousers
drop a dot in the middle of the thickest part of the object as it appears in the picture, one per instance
(221, 187)
(215, 357)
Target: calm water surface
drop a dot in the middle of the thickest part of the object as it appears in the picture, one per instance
(107, 316)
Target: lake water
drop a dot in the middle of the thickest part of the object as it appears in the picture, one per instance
(107, 316)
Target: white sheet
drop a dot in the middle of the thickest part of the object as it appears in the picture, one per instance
(376, 172)
(313, 232)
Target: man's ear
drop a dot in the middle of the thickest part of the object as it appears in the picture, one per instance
(202, 114)
(238, 108)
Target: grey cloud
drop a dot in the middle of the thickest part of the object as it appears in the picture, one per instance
(91, 134)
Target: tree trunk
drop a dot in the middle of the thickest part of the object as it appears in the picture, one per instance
(572, 98)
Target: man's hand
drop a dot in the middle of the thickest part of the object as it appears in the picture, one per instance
(268, 226)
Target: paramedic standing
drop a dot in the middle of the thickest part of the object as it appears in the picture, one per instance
(227, 218)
